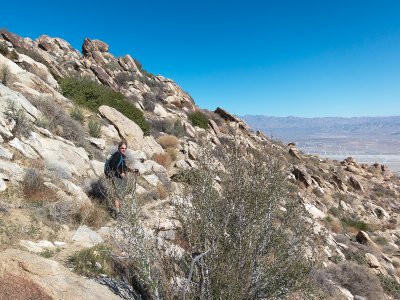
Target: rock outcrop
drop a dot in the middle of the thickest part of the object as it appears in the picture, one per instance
(28, 276)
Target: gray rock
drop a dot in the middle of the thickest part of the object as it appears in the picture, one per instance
(152, 179)
(25, 149)
(151, 147)
(86, 237)
(152, 166)
(3, 185)
(60, 156)
(110, 131)
(99, 143)
(6, 95)
(36, 247)
(128, 129)
(14, 171)
(4, 153)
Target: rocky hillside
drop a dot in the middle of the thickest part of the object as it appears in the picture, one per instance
(181, 235)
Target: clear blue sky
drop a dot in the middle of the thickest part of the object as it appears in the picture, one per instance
(278, 58)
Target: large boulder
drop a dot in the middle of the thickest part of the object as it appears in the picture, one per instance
(60, 156)
(28, 83)
(11, 169)
(28, 276)
(128, 64)
(127, 129)
(93, 45)
(7, 96)
(37, 68)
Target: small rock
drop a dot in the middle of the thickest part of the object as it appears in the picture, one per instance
(86, 237)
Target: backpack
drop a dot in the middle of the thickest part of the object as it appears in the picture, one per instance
(107, 169)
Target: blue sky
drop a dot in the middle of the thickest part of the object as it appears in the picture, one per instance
(277, 58)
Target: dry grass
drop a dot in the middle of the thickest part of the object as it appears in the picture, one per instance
(33, 187)
(168, 141)
(163, 159)
(173, 153)
(94, 215)
(162, 192)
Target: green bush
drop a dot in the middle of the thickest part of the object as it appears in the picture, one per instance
(198, 119)
(390, 285)
(92, 261)
(349, 222)
(77, 114)
(94, 128)
(92, 95)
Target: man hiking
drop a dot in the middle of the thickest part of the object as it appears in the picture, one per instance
(116, 170)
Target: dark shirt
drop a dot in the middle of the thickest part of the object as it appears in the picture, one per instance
(117, 170)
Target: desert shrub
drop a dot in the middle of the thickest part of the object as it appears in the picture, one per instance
(198, 119)
(355, 223)
(94, 128)
(138, 64)
(123, 78)
(5, 75)
(178, 129)
(167, 126)
(334, 211)
(215, 117)
(63, 211)
(92, 95)
(77, 114)
(390, 285)
(92, 261)
(22, 125)
(163, 159)
(32, 182)
(168, 141)
(246, 246)
(56, 118)
(12, 55)
(34, 189)
(173, 153)
(381, 240)
(94, 215)
(381, 191)
(359, 280)
(3, 49)
(162, 192)
(139, 248)
(112, 66)
(149, 101)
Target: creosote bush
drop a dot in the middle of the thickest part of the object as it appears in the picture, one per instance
(198, 119)
(92, 95)
(243, 244)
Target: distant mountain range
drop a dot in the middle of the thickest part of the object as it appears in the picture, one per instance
(282, 126)
(367, 139)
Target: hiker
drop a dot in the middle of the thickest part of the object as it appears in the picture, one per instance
(116, 170)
